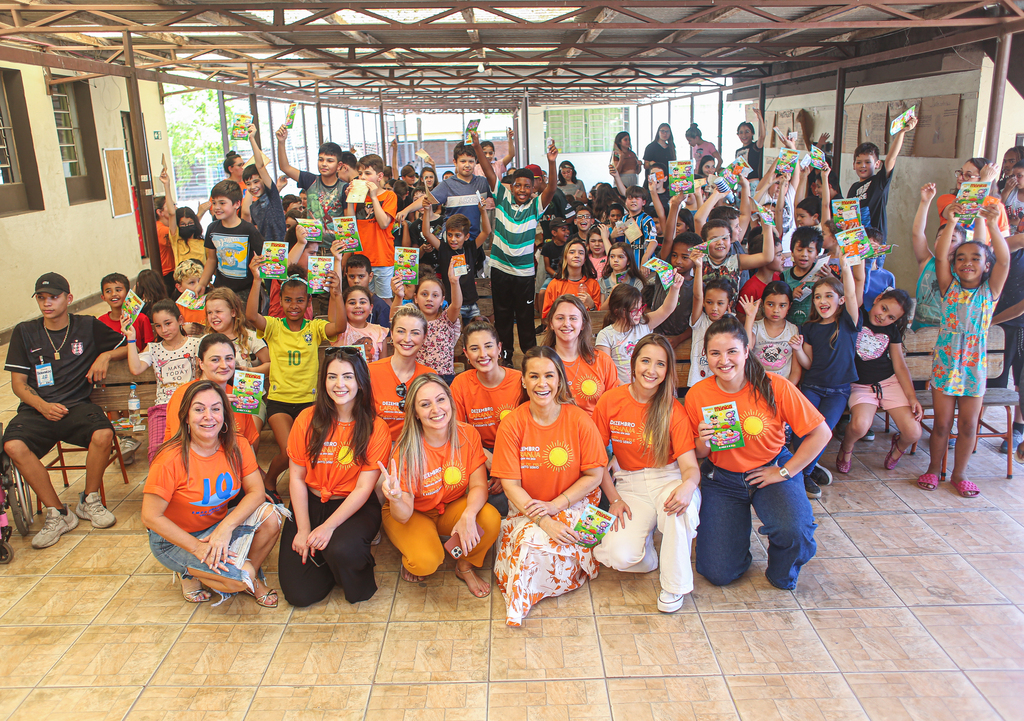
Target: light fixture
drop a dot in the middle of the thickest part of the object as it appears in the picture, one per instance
(480, 67)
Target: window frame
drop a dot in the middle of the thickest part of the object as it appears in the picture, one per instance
(89, 185)
(26, 194)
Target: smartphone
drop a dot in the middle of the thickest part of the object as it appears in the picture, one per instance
(454, 544)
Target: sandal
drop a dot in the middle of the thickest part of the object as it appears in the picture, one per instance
(843, 466)
(199, 595)
(965, 488)
(264, 600)
(462, 575)
(928, 481)
(1018, 454)
(891, 462)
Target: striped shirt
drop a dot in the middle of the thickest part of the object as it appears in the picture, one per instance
(515, 234)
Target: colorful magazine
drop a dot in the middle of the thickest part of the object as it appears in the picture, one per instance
(314, 229)
(188, 299)
(725, 419)
(346, 230)
(240, 130)
(289, 119)
(132, 306)
(471, 127)
(666, 273)
(275, 261)
(680, 180)
(901, 120)
(855, 244)
(593, 526)
(846, 213)
(407, 265)
(767, 217)
(247, 392)
(459, 263)
(320, 267)
(971, 197)
(817, 156)
(787, 161)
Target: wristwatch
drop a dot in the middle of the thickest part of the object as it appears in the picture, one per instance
(784, 472)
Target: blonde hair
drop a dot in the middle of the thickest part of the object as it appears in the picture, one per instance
(238, 324)
(410, 457)
(186, 269)
(658, 411)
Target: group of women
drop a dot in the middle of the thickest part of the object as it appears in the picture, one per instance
(389, 445)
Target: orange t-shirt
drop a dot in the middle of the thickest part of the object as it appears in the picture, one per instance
(764, 434)
(446, 478)
(191, 315)
(570, 287)
(163, 241)
(588, 382)
(385, 396)
(547, 459)
(198, 499)
(378, 243)
(244, 424)
(335, 472)
(484, 408)
(620, 420)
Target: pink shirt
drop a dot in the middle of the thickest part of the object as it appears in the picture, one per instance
(496, 164)
(700, 150)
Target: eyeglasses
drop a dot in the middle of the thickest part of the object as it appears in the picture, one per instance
(400, 391)
(961, 175)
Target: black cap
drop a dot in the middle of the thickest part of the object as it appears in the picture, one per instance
(54, 283)
(557, 223)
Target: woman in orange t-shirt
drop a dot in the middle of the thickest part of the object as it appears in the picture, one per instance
(485, 395)
(390, 377)
(333, 449)
(437, 486)
(185, 502)
(590, 372)
(550, 459)
(647, 428)
(577, 277)
(754, 407)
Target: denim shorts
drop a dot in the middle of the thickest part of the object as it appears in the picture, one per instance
(380, 285)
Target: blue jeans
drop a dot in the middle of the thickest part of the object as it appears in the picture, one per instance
(180, 561)
(380, 284)
(830, 402)
(468, 313)
(723, 539)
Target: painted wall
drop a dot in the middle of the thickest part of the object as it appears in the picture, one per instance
(82, 242)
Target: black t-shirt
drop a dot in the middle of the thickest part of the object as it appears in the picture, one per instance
(654, 295)
(874, 362)
(235, 248)
(553, 252)
(754, 157)
(468, 281)
(873, 194)
(1013, 290)
(654, 152)
(32, 345)
(267, 214)
(558, 208)
(832, 363)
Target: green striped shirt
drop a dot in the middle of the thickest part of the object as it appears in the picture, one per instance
(515, 234)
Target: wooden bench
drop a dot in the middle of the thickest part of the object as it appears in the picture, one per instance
(918, 347)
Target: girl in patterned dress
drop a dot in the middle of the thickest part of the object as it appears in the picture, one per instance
(969, 290)
(443, 325)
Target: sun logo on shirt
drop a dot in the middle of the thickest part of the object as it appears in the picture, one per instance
(504, 412)
(588, 387)
(345, 456)
(754, 424)
(558, 457)
(452, 476)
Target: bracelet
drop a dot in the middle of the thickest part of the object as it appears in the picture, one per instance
(568, 503)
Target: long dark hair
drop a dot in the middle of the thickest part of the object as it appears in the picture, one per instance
(621, 301)
(631, 267)
(564, 395)
(671, 140)
(902, 299)
(566, 164)
(618, 139)
(588, 267)
(182, 439)
(325, 412)
(760, 384)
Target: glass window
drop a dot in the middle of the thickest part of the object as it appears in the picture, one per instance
(69, 136)
(586, 130)
(8, 155)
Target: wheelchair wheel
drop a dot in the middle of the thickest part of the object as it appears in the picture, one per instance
(6, 553)
(18, 497)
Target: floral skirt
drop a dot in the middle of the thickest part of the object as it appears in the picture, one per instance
(530, 566)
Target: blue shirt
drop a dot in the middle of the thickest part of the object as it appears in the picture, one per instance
(649, 234)
(458, 196)
(832, 361)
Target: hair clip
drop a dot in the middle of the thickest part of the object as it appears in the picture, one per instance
(298, 278)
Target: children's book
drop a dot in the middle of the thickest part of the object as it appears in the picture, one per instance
(855, 244)
(314, 229)
(357, 191)
(817, 158)
(346, 230)
(766, 216)
(407, 265)
(633, 231)
(459, 263)
(471, 127)
(726, 421)
(622, 277)
(787, 161)
(593, 526)
(132, 306)
(804, 288)
(680, 179)
(275, 261)
(320, 266)
(846, 213)
(188, 299)
(289, 119)
(247, 392)
(422, 154)
(971, 197)
(666, 273)
(240, 130)
(732, 172)
(901, 120)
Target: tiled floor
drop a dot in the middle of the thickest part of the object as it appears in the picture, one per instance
(912, 609)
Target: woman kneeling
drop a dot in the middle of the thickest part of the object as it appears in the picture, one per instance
(185, 503)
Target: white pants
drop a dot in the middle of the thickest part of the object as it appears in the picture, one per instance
(631, 549)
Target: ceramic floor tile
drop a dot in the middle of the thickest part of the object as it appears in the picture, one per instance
(858, 470)
(1003, 689)
(113, 656)
(335, 609)
(1005, 571)
(194, 704)
(899, 534)
(326, 655)
(618, 594)
(574, 603)
(766, 642)
(688, 698)
(129, 519)
(64, 599)
(443, 651)
(444, 702)
(981, 532)
(862, 497)
(10, 699)
(832, 542)
(878, 639)
(442, 596)
(942, 498)
(148, 599)
(807, 697)
(918, 696)
(28, 561)
(27, 653)
(978, 637)
(209, 653)
(842, 583)
(935, 580)
(749, 592)
(13, 589)
(72, 704)
(242, 608)
(1005, 494)
(104, 554)
(662, 645)
(309, 703)
(544, 700)
(545, 648)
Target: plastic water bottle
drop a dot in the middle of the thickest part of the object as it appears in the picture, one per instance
(723, 187)
(134, 408)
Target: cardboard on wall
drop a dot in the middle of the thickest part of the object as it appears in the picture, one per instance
(937, 126)
(851, 127)
(874, 126)
(784, 122)
(770, 118)
(895, 108)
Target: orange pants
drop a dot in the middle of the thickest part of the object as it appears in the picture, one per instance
(419, 538)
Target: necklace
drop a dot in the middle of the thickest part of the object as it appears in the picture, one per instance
(56, 350)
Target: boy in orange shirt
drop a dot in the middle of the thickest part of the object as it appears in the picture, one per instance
(374, 219)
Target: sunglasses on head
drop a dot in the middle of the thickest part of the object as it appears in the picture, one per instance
(400, 390)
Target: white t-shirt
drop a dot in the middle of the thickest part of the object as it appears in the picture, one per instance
(774, 354)
(620, 346)
(245, 361)
(173, 368)
(699, 369)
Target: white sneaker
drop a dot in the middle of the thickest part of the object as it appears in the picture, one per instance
(670, 602)
(91, 508)
(376, 540)
(128, 446)
(55, 526)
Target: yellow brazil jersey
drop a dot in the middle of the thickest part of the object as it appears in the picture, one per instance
(294, 359)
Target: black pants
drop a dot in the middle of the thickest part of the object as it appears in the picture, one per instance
(513, 299)
(346, 561)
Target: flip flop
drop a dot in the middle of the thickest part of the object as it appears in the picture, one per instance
(928, 481)
(843, 466)
(965, 488)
